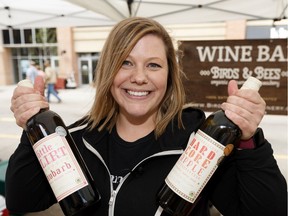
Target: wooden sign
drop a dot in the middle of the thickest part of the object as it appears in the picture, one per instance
(209, 65)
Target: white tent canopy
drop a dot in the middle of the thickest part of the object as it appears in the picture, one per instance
(47, 13)
(54, 13)
(189, 11)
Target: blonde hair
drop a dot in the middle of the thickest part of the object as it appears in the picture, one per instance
(118, 46)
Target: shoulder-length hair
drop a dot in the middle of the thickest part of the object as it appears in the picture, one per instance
(118, 46)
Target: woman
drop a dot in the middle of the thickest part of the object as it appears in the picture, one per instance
(136, 120)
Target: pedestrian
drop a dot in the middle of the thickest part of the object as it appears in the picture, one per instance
(32, 71)
(138, 120)
(40, 71)
(51, 79)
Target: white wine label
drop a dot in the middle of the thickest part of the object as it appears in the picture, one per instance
(60, 165)
(195, 166)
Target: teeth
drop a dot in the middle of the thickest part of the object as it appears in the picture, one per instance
(134, 93)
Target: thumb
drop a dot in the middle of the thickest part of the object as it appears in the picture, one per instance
(232, 87)
(39, 85)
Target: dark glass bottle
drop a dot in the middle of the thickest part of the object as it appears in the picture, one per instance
(215, 139)
(59, 157)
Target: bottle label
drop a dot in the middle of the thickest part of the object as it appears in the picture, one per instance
(195, 166)
(59, 165)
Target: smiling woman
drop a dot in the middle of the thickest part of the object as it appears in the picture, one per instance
(144, 59)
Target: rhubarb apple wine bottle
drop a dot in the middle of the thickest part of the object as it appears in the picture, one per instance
(58, 155)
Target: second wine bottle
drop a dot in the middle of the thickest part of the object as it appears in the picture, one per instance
(205, 151)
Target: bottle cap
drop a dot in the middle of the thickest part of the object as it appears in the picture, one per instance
(25, 83)
(252, 83)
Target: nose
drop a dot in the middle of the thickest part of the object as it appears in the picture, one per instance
(139, 76)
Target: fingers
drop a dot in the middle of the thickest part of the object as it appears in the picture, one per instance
(245, 108)
(27, 106)
(23, 117)
(232, 87)
(17, 93)
(25, 103)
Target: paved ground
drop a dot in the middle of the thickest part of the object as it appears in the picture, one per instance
(76, 102)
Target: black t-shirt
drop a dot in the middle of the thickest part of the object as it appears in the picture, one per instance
(124, 156)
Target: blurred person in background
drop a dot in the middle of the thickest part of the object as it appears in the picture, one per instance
(51, 80)
(32, 71)
(40, 71)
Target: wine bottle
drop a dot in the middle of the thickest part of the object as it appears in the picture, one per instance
(59, 157)
(215, 139)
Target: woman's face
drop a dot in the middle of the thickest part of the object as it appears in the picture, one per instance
(141, 83)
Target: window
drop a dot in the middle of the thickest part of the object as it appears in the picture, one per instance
(24, 51)
(51, 35)
(15, 52)
(29, 36)
(29, 44)
(40, 36)
(6, 36)
(279, 32)
(17, 36)
(258, 32)
(266, 32)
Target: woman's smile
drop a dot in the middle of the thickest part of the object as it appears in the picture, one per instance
(137, 93)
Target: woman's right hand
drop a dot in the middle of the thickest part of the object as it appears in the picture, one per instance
(26, 102)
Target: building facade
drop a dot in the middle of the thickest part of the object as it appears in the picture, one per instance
(74, 52)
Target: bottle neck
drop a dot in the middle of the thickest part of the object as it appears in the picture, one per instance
(43, 110)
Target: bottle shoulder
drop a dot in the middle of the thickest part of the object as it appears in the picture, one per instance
(218, 122)
(46, 117)
(46, 113)
(219, 118)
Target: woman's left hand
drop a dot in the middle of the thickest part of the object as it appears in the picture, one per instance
(245, 107)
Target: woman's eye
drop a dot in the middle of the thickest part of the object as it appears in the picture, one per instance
(127, 63)
(154, 65)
